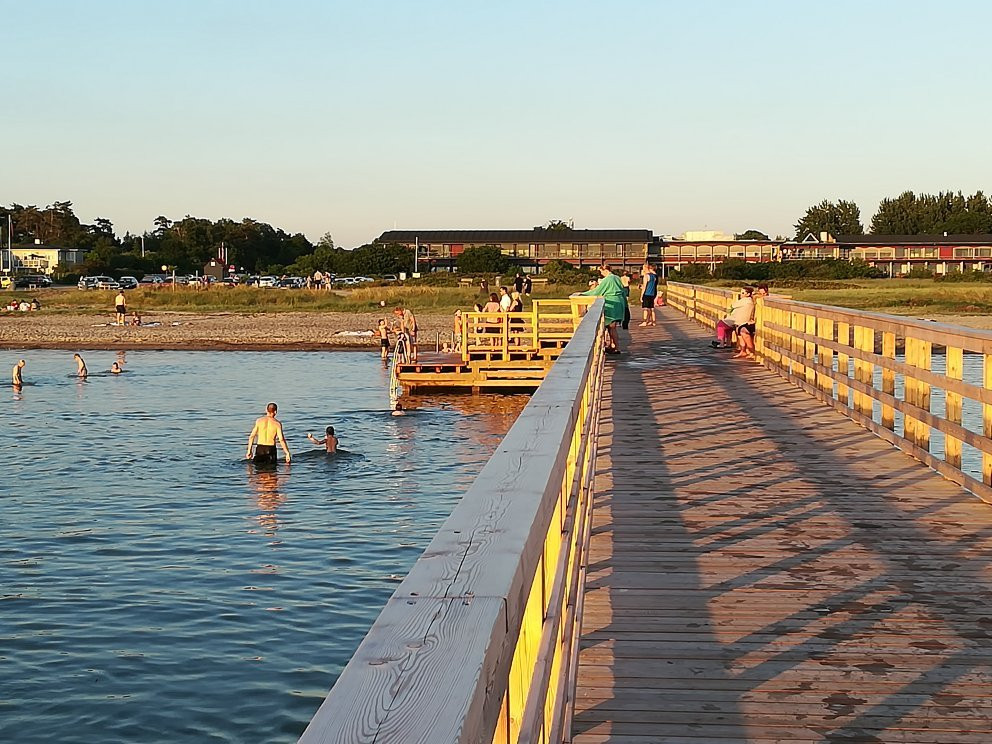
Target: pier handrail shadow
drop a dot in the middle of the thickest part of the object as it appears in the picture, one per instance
(878, 369)
(478, 641)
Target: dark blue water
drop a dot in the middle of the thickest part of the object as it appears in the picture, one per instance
(154, 587)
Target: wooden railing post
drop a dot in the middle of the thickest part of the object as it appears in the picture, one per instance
(811, 354)
(888, 379)
(844, 362)
(910, 393)
(987, 420)
(955, 371)
(826, 331)
(923, 394)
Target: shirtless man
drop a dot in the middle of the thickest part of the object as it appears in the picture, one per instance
(268, 429)
(80, 366)
(121, 305)
(408, 325)
(16, 376)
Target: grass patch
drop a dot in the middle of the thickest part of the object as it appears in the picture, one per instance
(904, 297)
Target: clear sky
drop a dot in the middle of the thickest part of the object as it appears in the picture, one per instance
(357, 117)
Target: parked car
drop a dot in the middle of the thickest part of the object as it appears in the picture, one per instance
(389, 278)
(292, 282)
(128, 282)
(363, 279)
(267, 281)
(228, 281)
(345, 280)
(105, 282)
(86, 282)
(153, 280)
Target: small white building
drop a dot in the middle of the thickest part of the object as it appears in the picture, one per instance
(42, 259)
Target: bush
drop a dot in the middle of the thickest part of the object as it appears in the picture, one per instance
(562, 272)
(694, 273)
(483, 259)
(965, 276)
(919, 272)
(739, 269)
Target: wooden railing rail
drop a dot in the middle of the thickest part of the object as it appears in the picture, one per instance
(849, 359)
(505, 333)
(477, 643)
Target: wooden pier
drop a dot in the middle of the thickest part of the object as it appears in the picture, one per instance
(677, 547)
(499, 350)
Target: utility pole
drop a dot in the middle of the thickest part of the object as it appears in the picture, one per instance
(416, 255)
(142, 245)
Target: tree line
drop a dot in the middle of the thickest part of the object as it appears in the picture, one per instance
(189, 243)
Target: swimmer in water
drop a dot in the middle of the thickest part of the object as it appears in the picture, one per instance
(398, 409)
(268, 429)
(80, 366)
(330, 442)
(115, 368)
(16, 376)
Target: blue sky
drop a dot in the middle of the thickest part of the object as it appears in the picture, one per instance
(354, 118)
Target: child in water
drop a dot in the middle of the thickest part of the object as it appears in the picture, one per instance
(115, 368)
(330, 442)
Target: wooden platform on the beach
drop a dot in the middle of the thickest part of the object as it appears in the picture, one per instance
(764, 570)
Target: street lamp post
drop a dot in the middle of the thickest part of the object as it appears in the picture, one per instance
(166, 269)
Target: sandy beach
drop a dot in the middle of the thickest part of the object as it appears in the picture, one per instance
(202, 331)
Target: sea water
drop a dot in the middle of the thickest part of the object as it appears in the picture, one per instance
(155, 587)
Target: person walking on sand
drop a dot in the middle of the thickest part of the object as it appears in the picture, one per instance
(268, 431)
(16, 377)
(121, 304)
(408, 325)
(80, 366)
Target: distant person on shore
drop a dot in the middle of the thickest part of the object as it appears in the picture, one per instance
(35, 305)
(382, 333)
(16, 377)
(456, 331)
(121, 304)
(649, 293)
(484, 286)
(504, 299)
(80, 366)
(518, 283)
(329, 442)
(136, 318)
(268, 431)
(115, 368)
(528, 284)
(408, 325)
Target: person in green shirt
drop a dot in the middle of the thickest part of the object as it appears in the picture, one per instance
(614, 301)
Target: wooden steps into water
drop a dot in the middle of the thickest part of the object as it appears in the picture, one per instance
(762, 569)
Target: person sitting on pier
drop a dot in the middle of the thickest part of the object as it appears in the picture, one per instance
(740, 313)
(408, 325)
(329, 442)
(746, 333)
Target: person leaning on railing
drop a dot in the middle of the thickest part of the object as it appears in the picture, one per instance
(611, 290)
(741, 312)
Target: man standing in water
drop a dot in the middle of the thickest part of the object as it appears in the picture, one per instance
(80, 366)
(121, 305)
(268, 429)
(16, 376)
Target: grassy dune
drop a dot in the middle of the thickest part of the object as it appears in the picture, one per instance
(255, 300)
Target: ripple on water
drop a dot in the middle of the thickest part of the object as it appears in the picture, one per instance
(155, 587)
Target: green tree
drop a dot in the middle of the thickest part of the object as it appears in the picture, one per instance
(933, 214)
(558, 226)
(483, 259)
(750, 235)
(378, 259)
(840, 218)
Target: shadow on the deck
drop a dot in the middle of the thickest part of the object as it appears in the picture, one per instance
(764, 570)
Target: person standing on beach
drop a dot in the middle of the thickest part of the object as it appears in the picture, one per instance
(528, 284)
(16, 376)
(268, 431)
(121, 304)
(408, 325)
(80, 366)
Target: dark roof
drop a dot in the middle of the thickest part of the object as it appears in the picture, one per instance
(539, 235)
(915, 239)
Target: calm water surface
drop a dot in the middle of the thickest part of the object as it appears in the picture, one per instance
(156, 588)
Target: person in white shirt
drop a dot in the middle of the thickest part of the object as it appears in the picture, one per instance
(741, 312)
(504, 299)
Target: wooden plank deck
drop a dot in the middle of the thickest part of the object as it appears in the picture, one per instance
(764, 570)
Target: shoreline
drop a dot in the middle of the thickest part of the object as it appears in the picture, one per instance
(217, 331)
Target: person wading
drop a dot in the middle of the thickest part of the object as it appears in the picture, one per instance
(268, 431)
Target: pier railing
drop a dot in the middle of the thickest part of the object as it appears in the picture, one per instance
(500, 335)
(883, 371)
(478, 642)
